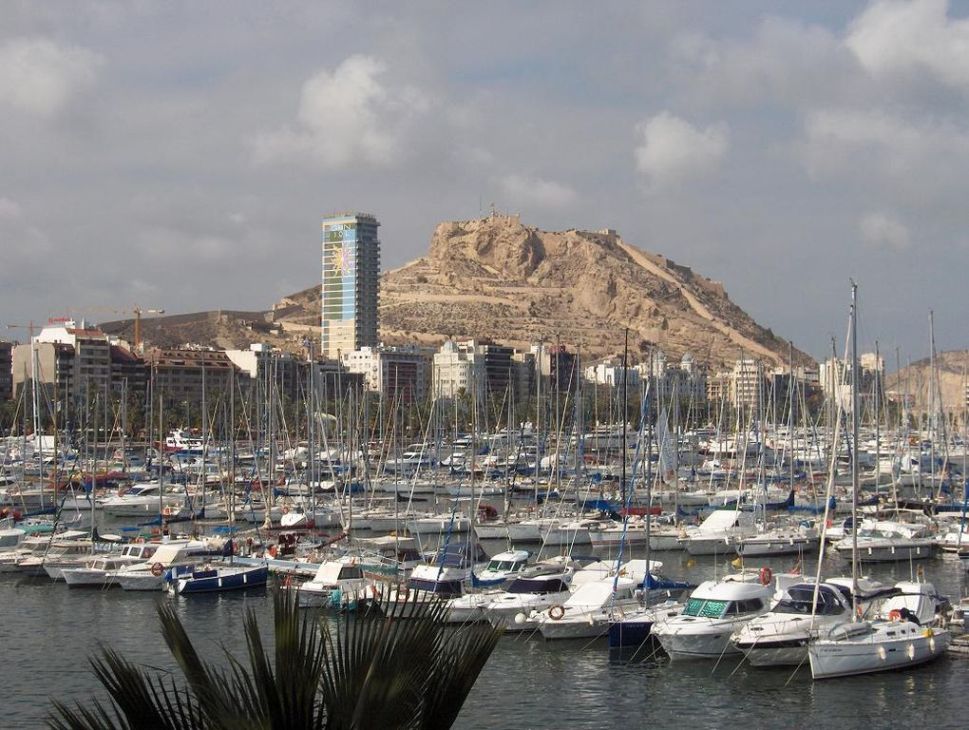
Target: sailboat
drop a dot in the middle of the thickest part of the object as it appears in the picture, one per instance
(896, 639)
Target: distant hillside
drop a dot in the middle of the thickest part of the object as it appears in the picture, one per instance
(915, 380)
(497, 278)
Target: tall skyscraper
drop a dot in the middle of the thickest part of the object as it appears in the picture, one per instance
(351, 282)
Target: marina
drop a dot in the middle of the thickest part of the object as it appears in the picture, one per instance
(484, 365)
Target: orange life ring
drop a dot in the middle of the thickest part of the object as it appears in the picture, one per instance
(766, 576)
(157, 569)
(894, 615)
(556, 612)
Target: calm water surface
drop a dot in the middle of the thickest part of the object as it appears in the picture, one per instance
(47, 631)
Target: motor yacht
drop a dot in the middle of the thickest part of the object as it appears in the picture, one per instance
(780, 636)
(714, 611)
(336, 583)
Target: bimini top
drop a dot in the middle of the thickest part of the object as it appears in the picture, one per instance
(799, 598)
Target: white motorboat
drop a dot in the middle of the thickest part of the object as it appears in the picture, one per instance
(535, 589)
(588, 611)
(60, 554)
(714, 611)
(336, 583)
(98, 572)
(502, 568)
(780, 637)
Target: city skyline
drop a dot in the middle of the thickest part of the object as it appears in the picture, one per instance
(774, 147)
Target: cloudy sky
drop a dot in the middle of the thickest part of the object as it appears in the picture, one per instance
(180, 155)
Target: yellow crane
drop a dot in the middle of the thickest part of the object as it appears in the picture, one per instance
(138, 311)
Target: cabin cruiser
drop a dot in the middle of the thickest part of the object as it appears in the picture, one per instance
(780, 636)
(905, 632)
(714, 611)
(99, 572)
(501, 570)
(336, 582)
(442, 578)
(587, 612)
(535, 589)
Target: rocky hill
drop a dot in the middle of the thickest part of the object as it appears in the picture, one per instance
(496, 278)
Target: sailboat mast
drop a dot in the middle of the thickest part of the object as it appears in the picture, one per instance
(854, 448)
(625, 377)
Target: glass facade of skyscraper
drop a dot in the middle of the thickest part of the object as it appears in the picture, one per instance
(351, 271)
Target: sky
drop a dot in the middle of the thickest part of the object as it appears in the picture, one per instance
(180, 155)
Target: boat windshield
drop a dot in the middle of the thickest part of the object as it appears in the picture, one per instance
(530, 585)
(799, 600)
(705, 608)
(503, 566)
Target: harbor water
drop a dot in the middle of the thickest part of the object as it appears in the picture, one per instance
(48, 632)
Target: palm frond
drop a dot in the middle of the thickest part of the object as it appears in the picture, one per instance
(137, 701)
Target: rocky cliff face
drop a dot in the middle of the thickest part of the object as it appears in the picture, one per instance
(499, 279)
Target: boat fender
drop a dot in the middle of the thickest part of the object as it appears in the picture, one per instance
(766, 576)
(556, 612)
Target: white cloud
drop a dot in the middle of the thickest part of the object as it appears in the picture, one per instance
(893, 37)
(40, 77)
(882, 230)
(673, 150)
(346, 116)
(524, 190)
(918, 155)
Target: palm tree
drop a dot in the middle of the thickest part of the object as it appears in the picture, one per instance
(371, 670)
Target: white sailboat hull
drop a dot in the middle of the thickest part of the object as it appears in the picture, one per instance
(913, 646)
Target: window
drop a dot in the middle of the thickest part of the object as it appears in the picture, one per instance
(350, 573)
(704, 609)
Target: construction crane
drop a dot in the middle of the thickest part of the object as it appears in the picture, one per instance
(29, 327)
(138, 311)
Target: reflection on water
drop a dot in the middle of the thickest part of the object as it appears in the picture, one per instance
(47, 632)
